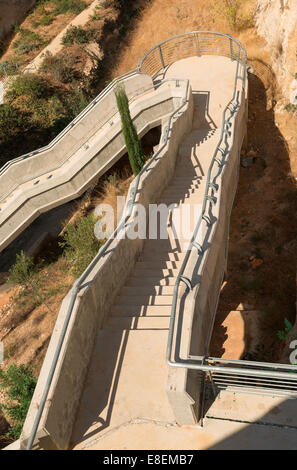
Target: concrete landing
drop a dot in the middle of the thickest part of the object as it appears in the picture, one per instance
(216, 435)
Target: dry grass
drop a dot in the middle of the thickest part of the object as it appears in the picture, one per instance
(162, 19)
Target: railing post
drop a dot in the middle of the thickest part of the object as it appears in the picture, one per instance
(161, 57)
(231, 49)
(197, 45)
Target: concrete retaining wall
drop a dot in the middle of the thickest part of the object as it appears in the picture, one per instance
(93, 305)
(196, 309)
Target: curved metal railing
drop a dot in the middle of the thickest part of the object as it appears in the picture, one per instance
(210, 190)
(195, 43)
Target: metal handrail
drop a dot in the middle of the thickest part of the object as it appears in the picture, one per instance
(128, 212)
(101, 126)
(77, 119)
(244, 368)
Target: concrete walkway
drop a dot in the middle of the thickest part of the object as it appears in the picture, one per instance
(124, 404)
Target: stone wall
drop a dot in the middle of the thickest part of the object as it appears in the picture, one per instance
(276, 22)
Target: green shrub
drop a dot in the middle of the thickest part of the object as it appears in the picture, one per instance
(286, 332)
(18, 383)
(77, 35)
(69, 6)
(27, 42)
(133, 145)
(61, 67)
(11, 122)
(291, 108)
(80, 244)
(9, 67)
(30, 85)
(45, 20)
(22, 271)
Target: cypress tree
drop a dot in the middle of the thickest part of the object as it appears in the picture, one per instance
(133, 145)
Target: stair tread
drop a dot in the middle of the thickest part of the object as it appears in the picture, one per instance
(138, 323)
(140, 310)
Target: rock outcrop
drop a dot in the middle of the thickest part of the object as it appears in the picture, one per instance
(11, 13)
(276, 22)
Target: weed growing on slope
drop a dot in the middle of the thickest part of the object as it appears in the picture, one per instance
(77, 35)
(18, 383)
(27, 41)
(80, 244)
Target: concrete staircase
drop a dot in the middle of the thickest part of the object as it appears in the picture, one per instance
(127, 376)
(129, 357)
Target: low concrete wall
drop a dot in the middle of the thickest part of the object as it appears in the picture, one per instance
(196, 309)
(93, 305)
(12, 12)
(85, 166)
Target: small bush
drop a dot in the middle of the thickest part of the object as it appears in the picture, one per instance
(9, 67)
(77, 35)
(69, 6)
(30, 85)
(80, 244)
(291, 108)
(19, 384)
(11, 122)
(286, 332)
(74, 103)
(22, 271)
(133, 145)
(61, 67)
(27, 42)
(45, 20)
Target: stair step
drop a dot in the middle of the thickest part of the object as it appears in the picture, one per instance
(155, 280)
(140, 311)
(161, 246)
(177, 257)
(144, 300)
(158, 264)
(147, 290)
(139, 323)
(161, 273)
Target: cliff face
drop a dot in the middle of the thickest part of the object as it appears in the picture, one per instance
(12, 12)
(276, 22)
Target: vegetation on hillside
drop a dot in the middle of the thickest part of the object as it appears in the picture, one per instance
(18, 384)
